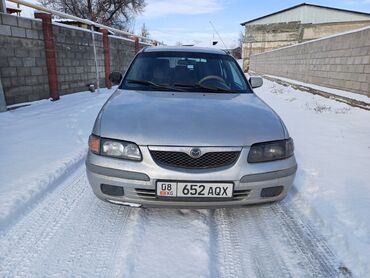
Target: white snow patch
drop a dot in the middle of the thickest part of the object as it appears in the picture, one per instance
(40, 143)
(333, 179)
(326, 89)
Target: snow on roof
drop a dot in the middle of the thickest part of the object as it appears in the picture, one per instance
(336, 14)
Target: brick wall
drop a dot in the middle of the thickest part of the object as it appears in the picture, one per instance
(23, 70)
(341, 62)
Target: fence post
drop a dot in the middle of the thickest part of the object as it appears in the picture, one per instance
(2, 98)
(137, 45)
(50, 55)
(108, 84)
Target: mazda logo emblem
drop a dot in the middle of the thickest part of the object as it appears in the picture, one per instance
(195, 153)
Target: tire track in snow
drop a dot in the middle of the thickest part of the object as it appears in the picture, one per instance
(270, 241)
(244, 252)
(164, 242)
(71, 231)
(225, 248)
(310, 245)
(27, 238)
(46, 186)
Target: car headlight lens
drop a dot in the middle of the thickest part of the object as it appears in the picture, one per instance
(120, 149)
(270, 151)
(114, 148)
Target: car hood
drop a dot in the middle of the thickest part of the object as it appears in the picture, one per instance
(189, 119)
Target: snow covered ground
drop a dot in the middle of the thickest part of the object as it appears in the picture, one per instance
(337, 92)
(51, 224)
(40, 144)
(332, 186)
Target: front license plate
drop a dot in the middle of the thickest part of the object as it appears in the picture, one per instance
(194, 190)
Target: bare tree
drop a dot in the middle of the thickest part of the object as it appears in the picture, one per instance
(115, 13)
(241, 39)
(144, 31)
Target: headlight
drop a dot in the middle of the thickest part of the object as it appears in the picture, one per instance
(114, 148)
(270, 151)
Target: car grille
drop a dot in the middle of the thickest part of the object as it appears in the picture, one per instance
(206, 161)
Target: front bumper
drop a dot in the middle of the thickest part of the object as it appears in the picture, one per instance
(138, 180)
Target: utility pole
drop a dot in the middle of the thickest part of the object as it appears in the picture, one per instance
(2, 6)
(2, 99)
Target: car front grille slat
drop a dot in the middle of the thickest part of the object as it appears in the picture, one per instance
(241, 194)
(145, 193)
(206, 161)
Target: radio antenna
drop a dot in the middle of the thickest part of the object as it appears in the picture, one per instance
(226, 48)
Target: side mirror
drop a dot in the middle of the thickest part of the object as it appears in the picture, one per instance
(115, 77)
(256, 81)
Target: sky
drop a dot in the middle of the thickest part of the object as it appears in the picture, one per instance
(188, 21)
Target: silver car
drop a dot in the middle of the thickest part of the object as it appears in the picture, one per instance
(184, 129)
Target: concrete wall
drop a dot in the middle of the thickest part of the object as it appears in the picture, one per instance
(23, 69)
(75, 59)
(121, 53)
(341, 62)
(22, 60)
(265, 37)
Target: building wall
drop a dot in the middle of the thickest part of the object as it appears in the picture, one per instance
(23, 69)
(312, 14)
(266, 37)
(341, 62)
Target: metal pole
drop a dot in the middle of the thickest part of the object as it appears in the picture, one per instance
(96, 60)
(2, 99)
(2, 6)
(214, 28)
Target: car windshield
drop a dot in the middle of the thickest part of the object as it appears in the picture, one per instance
(185, 71)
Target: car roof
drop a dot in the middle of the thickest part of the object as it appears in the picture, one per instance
(190, 49)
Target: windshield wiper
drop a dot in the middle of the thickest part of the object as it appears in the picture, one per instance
(207, 88)
(152, 84)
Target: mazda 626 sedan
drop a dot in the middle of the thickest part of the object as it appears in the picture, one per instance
(185, 129)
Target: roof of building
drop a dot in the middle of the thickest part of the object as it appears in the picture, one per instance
(307, 5)
(184, 49)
